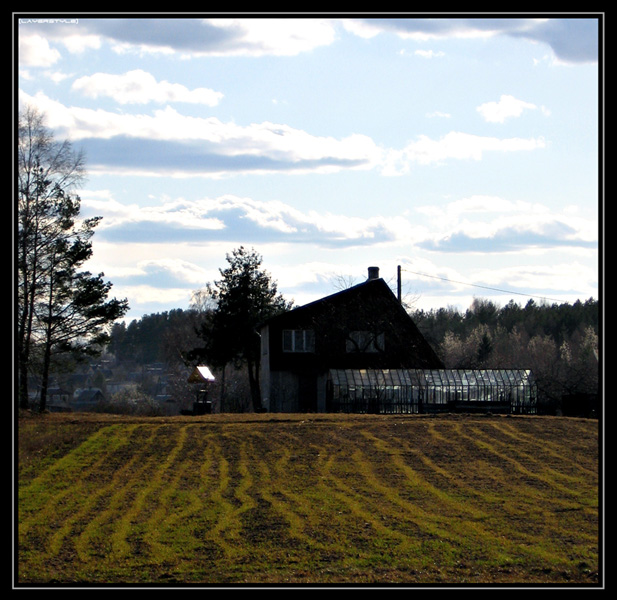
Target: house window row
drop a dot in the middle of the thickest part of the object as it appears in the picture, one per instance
(298, 340)
(303, 340)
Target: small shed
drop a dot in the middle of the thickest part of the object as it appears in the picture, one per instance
(431, 390)
(202, 376)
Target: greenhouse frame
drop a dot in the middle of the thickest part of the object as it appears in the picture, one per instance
(409, 391)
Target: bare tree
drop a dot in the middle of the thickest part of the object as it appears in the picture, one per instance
(44, 168)
(59, 308)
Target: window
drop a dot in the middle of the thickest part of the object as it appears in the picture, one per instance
(298, 340)
(365, 341)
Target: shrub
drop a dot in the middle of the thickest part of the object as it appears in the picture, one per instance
(131, 402)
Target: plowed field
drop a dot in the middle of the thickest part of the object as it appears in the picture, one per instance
(324, 499)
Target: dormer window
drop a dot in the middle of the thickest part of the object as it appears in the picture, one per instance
(298, 340)
(365, 341)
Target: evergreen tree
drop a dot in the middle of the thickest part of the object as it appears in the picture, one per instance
(245, 297)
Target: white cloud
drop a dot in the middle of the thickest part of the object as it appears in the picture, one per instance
(479, 203)
(173, 269)
(493, 224)
(445, 286)
(180, 218)
(57, 76)
(423, 29)
(208, 147)
(267, 36)
(429, 54)
(258, 147)
(477, 223)
(214, 37)
(182, 37)
(35, 51)
(151, 294)
(536, 277)
(454, 146)
(76, 44)
(507, 107)
(140, 87)
(572, 40)
(174, 214)
(438, 114)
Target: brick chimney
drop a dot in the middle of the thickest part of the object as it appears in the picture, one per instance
(373, 272)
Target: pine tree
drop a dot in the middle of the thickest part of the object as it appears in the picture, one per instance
(245, 297)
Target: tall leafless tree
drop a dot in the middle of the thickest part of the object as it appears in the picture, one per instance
(59, 308)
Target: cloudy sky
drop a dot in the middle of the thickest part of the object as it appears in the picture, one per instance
(464, 150)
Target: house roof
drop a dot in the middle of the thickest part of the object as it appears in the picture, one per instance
(374, 288)
(366, 306)
(200, 374)
(88, 395)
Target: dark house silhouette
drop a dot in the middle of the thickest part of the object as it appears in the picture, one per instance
(362, 327)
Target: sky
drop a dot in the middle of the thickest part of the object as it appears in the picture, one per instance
(464, 150)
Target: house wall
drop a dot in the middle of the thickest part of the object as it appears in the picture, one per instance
(283, 392)
(292, 387)
(322, 382)
(265, 382)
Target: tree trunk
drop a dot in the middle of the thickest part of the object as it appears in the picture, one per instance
(253, 371)
(25, 329)
(23, 379)
(223, 403)
(45, 379)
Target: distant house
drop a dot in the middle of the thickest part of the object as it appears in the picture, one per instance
(58, 400)
(363, 327)
(86, 399)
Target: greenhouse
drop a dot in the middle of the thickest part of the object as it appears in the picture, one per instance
(405, 391)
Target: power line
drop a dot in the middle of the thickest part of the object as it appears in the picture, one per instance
(480, 286)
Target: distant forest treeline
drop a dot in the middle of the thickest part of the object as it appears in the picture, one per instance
(558, 342)
(487, 335)
(157, 337)
(560, 322)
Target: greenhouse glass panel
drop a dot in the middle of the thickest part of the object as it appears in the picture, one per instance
(435, 390)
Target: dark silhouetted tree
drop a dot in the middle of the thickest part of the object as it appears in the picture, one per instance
(60, 309)
(244, 297)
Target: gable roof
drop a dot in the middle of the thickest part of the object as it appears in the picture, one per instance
(366, 306)
(373, 289)
(200, 374)
(88, 395)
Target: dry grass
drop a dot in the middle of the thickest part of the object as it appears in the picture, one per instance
(324, 499)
